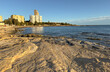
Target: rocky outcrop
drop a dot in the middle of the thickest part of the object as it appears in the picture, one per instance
(13, 49)
(52, 54)
(6, 31)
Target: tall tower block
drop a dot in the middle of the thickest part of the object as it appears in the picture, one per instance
(36, 12)
(36, 17)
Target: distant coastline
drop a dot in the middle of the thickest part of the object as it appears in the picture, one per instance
(56, 25)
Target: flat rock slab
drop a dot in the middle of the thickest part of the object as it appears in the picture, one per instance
(31, 54)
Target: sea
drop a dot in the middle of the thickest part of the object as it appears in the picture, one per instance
(99, 34)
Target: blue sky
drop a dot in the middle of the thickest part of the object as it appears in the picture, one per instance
(73, 11)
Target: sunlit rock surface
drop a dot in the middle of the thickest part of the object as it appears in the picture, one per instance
(49, 54)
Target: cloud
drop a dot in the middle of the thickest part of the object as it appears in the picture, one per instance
(103, 20)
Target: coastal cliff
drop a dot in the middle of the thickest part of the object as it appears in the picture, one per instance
(51, 54)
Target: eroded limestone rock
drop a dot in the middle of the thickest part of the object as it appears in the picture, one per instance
(30, 54)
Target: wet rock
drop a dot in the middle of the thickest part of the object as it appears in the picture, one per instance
(31, 35)
(70, 43)
(91, 38)
(94, 47)
(82, 42)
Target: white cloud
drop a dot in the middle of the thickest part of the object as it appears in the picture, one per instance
(92, 21)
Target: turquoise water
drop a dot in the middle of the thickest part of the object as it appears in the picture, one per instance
(79, 32)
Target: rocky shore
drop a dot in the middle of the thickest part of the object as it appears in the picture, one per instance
(6, 31)
(50, 54)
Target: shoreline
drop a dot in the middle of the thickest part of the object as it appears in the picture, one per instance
(51, 54)
(44, 26)
(82, 35)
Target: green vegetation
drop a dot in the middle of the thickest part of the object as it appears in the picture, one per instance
(13, 22)
(28, 23)
(53, 24)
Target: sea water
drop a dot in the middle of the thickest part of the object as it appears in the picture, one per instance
(97, 33)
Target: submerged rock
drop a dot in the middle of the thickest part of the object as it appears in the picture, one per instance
(91, 38)
(30, 35)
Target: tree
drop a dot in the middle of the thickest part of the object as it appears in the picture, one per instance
(10, 21)
(35, 23)
(16, 22)
(30, 23)
(6, 21)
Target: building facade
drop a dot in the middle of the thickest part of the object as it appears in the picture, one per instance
(36, 12)
(36, 17)
(1, 19)
(18, 17)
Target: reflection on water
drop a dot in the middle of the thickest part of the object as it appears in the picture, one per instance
(37, 29)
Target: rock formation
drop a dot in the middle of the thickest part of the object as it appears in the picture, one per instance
(52, 54)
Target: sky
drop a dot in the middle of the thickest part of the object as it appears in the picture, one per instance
(80, 12)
